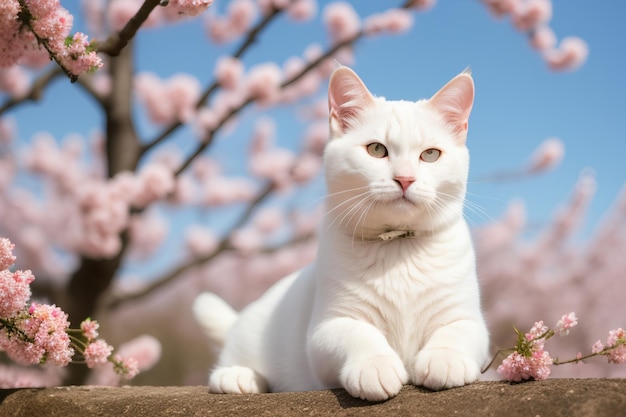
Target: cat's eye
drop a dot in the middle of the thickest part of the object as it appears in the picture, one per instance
(430, 155)
(377, 150)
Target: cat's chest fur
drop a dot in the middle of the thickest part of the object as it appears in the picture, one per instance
(403, 286)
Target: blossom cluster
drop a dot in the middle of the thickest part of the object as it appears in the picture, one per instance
(37, 333)
(533, 17)
(27, 25)
(530, 360)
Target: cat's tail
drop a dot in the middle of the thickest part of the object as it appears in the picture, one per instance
(215, 317)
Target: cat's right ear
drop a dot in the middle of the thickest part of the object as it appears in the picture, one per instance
(347, 97)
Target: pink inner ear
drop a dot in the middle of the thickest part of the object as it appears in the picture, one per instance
(347, 97)
(454, 101)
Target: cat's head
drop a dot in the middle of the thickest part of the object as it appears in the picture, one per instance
(396, 165)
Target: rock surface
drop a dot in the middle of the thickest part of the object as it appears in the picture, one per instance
(550, 398)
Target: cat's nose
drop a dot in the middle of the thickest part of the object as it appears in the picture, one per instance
(404, 182)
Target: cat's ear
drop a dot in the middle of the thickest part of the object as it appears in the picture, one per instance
(347, 97)
(454, 101)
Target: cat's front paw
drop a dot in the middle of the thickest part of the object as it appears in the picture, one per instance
(438, 369)
(236, 380)
(374, 379)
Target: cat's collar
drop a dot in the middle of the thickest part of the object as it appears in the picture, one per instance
(396, 234)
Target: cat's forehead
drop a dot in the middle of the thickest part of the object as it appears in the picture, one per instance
(398, 120)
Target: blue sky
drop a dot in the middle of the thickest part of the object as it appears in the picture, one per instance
(519, 101)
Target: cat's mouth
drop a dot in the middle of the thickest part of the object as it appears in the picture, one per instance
(405, 201)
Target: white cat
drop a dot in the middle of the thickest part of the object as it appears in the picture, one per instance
(393, 296)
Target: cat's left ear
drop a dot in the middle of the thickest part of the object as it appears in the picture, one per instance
(454, 101)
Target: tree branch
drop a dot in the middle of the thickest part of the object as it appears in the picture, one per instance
(250, 40)
(118, 41)
(223, 246)
(36, 90)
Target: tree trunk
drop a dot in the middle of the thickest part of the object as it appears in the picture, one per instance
(94, 276)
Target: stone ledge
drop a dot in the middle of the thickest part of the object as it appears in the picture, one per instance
(550, 398)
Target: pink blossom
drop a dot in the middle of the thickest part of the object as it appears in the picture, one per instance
(542, 38)
(35, 58)
(517, 367)
(204, 168)
(152, 92)
(536, 332)
(218, 29)
(275, 165)
(190, 7)
(46, 327)
(183, 92)
(268, 220)
(155, 182)
(42, 8)
(617, 342)
(500, 8)
(206, 119)
(423, 5)
(221, 191)
(392, 21)
(316, 137)
(597, 347)
(168, 100)
(200, 241)
(302, 10)
(14, 291)
(54, 27)
(263, 81)
(267, 6)
(145, 350)
(246, 240)
(565, 323)
(229, 72)
(531, 13)
(7, 133)
(570, 55)
(137, 355)
(147, 232)
(241, 15)
(341, 20)
(14, 80)
(263, 135)
(119, 12)
(16, 376)
(105, 213)
(184, 190)
(97, 353)
(6, 254)
(126, 367)
(124, 186)
(547, 156)
(52, 24)
(77, 57)
(306, 167)
(90, 328)
(94, 12)
(307, 85)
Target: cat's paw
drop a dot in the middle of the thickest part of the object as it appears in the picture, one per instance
(374, 379)
(236, 380)
(439, 369)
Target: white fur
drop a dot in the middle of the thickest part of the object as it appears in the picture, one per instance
(371, 315)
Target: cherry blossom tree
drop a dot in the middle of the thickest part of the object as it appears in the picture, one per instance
(90, 217)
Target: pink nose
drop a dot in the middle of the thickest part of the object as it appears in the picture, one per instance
(404, 182)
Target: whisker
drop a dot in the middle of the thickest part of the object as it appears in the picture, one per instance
(348, 208)
(324, 197)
